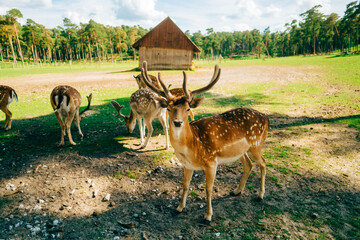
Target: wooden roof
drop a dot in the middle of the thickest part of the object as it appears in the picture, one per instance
(166, 35)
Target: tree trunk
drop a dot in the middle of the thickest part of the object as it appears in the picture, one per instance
(314, 45)
(90, 53)
(32, 51)
(12, 48)
(44, 53)
(49, 52)
(97, 51)
(1, 52)
(19, 45)
(134, 54)
(36, 54)
(70, 57)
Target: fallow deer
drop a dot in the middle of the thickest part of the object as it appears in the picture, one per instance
(7, 95)
(66, 101)
(142, 84)
(145, 107)
(178, 92)
(206, 142)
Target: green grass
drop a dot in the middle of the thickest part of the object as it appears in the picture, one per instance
(7, 71)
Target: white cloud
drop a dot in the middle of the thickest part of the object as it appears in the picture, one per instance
(140, 11)
(249, 8)
(27, 3)
(272, 11)
(307, 4)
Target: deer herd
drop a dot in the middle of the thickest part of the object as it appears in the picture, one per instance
(200, 144)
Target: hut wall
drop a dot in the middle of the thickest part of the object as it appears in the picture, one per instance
(165, 58)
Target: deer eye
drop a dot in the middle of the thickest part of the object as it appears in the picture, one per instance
(188, 109)
(168, 109)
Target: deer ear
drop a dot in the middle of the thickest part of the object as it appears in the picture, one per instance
(196, 102)
(163, 102)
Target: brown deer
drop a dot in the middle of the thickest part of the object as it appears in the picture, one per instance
(66, 101)
(178, 92)
(206, 142)
(145, 107)
(142, 84)
(7, 95)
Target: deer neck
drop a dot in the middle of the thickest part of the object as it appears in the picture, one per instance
(181, 136)
(132, 117)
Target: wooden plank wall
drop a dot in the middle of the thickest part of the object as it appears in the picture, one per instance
(165, 59)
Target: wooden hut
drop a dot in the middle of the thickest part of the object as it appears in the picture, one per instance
(166, 47)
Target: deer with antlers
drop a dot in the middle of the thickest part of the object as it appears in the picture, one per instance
(205, 143)
(66, 101)
(145, 107)
(7, 96)
(178, 92)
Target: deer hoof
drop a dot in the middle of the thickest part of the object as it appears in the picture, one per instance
(207, 222)
(232, 193)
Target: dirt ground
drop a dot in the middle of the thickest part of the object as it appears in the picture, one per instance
(133, 194)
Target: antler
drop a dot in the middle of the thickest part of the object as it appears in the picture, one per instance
(214, 79)
(165, 93)
(118, 108)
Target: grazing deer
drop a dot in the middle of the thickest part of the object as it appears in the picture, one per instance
(178, 92)
(7, 95)
(142, 84)
(209, 141)
(145, 107)
(65, 101)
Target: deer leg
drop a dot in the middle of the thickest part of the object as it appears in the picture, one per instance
(210, 173)
(144, 127)
(7, 123)
(141, 128)
(247, 165)
(62, 126)
(77, 123)
(149, 133)
(164, 124)
(68, 127)
(256, 155)
(187, 178)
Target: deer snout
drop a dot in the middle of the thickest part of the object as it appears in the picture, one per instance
(178, 123)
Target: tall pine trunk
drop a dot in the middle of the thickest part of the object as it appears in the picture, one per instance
(90, 53)
(19, 45)
(12, 48)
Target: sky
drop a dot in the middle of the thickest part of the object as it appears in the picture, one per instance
(195, 15)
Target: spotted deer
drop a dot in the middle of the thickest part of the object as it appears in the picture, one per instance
(142, 84)
(66, 101)
(7, 96)
(145, 107)
(178, 92)
(203, 144)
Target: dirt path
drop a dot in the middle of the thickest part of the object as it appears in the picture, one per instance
(107, 79)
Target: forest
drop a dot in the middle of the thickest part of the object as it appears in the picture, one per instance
(315, 33)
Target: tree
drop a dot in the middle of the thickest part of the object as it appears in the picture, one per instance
(12, 16)
(70, 33)
(133, 36)
(350, 22)
(312, 24)
(120, 45)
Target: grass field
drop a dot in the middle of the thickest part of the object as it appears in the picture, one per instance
(312, 153)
